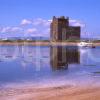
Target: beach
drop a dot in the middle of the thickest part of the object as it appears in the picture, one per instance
(51, 93)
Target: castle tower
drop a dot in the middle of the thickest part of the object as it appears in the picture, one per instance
(60, 29)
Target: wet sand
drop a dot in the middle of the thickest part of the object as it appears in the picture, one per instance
(51, 93)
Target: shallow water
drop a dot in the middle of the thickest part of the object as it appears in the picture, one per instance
(49, 66)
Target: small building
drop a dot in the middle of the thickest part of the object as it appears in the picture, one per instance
(61, 30)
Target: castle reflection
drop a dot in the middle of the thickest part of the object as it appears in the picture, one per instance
(61, 57)
(57, 57)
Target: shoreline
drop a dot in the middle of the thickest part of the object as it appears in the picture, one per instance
(44, 43)
(52, 93)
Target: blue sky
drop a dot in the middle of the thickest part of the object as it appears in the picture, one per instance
(14, 12)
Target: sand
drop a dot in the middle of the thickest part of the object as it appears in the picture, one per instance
(45, 43)
(51, 93)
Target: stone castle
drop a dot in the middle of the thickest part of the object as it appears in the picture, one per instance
(60, 29)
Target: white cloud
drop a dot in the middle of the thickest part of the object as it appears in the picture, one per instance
(36, 22)
(76, 23)
(10, 29)
(40, 21)
(31, 30)
(0, 29)
(26, 22)
(35, 27)
(16, 29)
(5, 29)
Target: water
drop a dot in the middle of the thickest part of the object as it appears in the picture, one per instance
(49, 66)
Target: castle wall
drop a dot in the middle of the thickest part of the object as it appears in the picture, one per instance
(60, 29)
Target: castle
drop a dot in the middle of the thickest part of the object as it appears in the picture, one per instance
(60, 29)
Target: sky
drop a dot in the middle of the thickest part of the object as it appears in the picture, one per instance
(33, 17)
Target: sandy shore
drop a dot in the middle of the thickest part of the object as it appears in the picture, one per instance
(51, 93)
(39, 43)
(42, 43)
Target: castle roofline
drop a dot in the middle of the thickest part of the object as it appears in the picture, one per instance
(61, 17)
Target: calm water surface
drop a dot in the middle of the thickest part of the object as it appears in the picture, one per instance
(49, 65)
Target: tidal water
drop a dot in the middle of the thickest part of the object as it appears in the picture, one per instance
(49, 65)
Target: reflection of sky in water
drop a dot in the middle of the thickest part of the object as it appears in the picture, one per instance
(34, 64)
